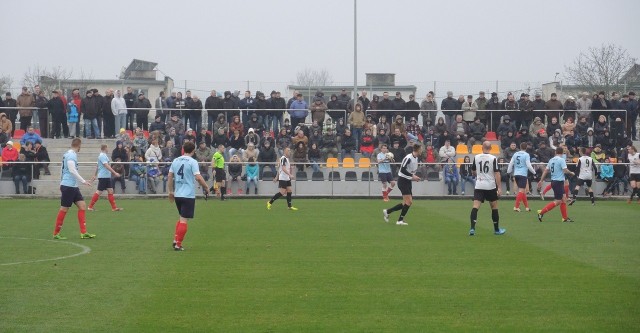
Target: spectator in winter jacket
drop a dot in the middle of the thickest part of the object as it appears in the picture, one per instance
(329, 146)
(382, 138)
(298, 111)
(318, 110)
(494, 116)
(553, 107)
(366, 144)
(506, 126)
(357, 121)
(236, 125)
(440, 126)
(460, 129)
(221, 123)
(412, 107)
(413, 129)
(203, 135)
(569, 108)
(568, 126)
(173, 137)
(349, 145)
(398, 136)
(154, 151)
(142, 106)
(385, 106)
(12, 113)
(469, 108)
(30, 136)
(25, 102)
(9, 154)
(256, 124)
(447, 151)
(140, 144)
(526, 111)
(481, 102)
(90, 115)
(477, 132)
(582, 126)
(451, 176)
(466, 174)
(600, 126)
(429, 108)
(537, 125)
(5, 124)
(267, 157)
(399, 124)
(283, 141)
(157, 125)
(450, 108)
(506, 140)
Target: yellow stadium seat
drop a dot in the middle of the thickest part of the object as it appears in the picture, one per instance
(348, 162)
(462, 149)
(17, 146)
(364, 162)
(476, 149)
(332, 162)
(459, 161)
(495, 150)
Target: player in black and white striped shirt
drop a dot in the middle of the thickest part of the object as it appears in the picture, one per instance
(488, 187)
(408, 168)
(284, 180)
(586, 172)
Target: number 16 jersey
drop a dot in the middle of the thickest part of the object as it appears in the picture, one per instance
(184, 169)
(485, 166)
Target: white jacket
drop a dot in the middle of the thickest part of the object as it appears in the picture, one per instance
(118, 106)
(153, 152)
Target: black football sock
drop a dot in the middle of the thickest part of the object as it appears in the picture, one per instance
(496, 219)
(223, 191)
(405, 209)
(633, 192)
(275, 197)
(591, 196)
(474, 217)
(394, 208)
(575, 193)
(289, 199)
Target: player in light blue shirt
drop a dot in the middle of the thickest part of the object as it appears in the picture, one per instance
(384, 172)
(557, 167)
(103, 174)
(70, 193)
(520, 165)
(183, 174)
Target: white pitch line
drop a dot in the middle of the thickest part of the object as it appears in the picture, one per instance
(85, 250)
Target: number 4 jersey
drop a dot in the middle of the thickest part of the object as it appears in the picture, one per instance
(185, 169)
(485, 166)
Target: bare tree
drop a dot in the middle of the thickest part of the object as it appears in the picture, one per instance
(312, 77)
(47, 79)
(6, 81)
(600, 68)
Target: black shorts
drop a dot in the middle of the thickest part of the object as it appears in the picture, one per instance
(634, 177)
(558, 189)
(404, 185)
(104, 183)
(581, 182)
(69, 196)
(284, 183)
(521, 181)
(482, 195)
(186, 207)
(385, 177)
(220, 175)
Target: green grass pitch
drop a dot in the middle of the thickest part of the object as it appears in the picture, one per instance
(332, 266)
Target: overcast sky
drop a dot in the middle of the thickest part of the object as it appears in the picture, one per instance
(270, 41)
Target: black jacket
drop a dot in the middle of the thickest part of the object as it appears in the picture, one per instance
(212, 103)
(129, 98)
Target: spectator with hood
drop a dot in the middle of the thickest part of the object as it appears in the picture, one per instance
(553, 125)
(506, 126)
(494, 116)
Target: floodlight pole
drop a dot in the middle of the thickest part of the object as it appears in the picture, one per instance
(355, 54)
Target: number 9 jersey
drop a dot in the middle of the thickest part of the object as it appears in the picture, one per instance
(184, 169)
(485, 166)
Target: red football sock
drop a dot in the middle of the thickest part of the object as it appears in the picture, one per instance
(547, 189)
(566, 191)
(518, 198)
(524, 200)
(180, 232)
(59, 221)
(82, 221)
(94, 199)
(548, 207)
(175, 235)
(112, 201)
(389, 189)
(563, 210)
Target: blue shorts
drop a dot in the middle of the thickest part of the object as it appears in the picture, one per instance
(104, 183)
(69, 196)
(186, 207)
(385, 177)
(558, 189)
(521, 181)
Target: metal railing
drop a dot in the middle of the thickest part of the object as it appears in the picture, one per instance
(432, 173)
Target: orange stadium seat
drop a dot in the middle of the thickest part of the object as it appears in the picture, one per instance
(462, 149)
(348, 162)
(495, 150)
(332, 162)
(459, 161)
(476, 149)
(364, 162)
